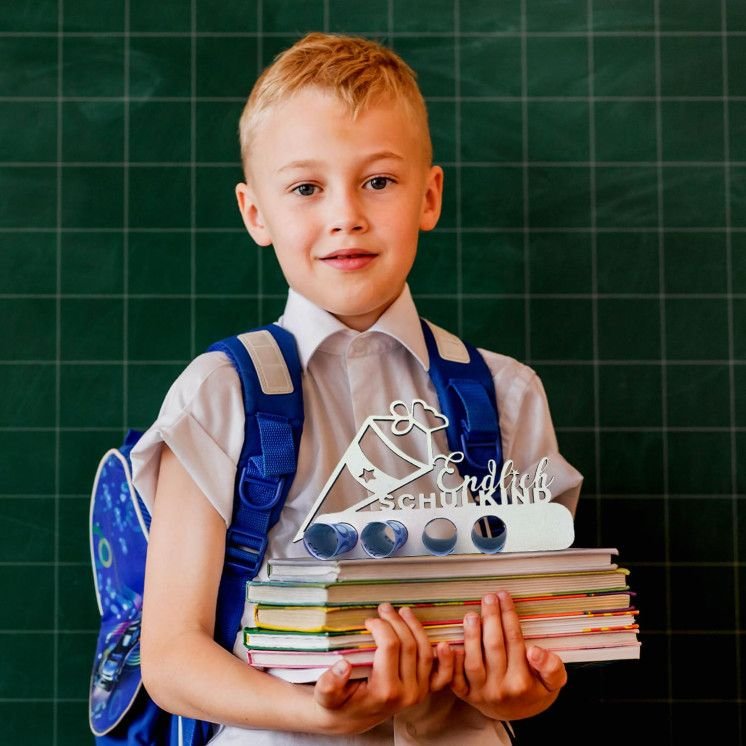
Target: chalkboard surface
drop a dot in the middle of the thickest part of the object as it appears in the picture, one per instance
(594, 227)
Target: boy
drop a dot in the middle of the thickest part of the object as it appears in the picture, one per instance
(337, 159)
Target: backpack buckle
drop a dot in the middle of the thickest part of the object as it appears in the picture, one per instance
(243, 549)
(479, 447)
(259, 493)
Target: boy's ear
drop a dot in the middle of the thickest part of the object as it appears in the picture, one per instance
(252, 218)
(432, 200)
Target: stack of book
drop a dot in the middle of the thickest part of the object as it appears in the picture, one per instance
(311, 613)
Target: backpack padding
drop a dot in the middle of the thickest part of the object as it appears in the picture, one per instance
(449, 346)
(266, 467)
(271, 367)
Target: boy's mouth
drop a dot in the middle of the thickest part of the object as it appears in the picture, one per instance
(349, 259)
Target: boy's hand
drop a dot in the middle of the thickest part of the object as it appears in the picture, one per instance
(495, 672)
(400, 677)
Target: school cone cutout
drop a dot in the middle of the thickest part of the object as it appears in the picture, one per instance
(390, 457)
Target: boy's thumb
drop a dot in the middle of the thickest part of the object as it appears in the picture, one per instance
(330, 690)
(548, 667)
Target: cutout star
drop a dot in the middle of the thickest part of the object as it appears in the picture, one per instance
(367, 475)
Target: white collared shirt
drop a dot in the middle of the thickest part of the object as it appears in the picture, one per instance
(347, 376)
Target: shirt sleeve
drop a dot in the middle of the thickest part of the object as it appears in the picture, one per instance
(202, 422)
(527, 430)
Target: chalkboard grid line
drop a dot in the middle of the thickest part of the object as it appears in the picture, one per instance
(126, 219)
(560, 428)
(435, 296)
(497, 230)
(594, 279)
(55, 667)
(193, 179)
(648, 632)
(430, 98)
(526, 193)
(731, 368)
(260, 254)
(424, 34)
(458, 171)
(616, 700)
(664, 377)
(54, 701)
(575, 362)
(225, 165)
(607, 496)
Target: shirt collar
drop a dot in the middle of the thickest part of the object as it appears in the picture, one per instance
(312, 325)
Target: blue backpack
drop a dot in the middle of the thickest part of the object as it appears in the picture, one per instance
(266, 359)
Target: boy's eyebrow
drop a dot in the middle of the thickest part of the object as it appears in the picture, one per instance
(309, 163)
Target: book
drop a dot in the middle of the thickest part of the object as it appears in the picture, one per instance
(455, 565)
(361, 671)
(531, 627)
(311, 675)
(601, 655)
(433, 589)
(308, 666)
(348, 618)
(259, 639)
(311, 613)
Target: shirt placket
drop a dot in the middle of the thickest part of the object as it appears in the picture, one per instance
(361, 376)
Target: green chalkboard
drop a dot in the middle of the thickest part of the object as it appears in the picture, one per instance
(594, 226)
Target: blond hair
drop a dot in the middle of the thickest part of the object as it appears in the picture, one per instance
(358, 71)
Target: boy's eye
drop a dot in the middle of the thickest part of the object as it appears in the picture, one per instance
(305, 190)
(379, 182)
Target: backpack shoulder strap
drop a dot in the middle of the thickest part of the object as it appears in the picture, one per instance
(269, 368)
(466, 393)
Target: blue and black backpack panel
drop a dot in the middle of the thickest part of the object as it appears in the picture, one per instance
(118, 543)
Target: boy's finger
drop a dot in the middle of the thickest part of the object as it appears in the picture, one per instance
(443, 674)
(548, 667)
(473, 660)
(493, 640)
(386, 657)
(459, 685)
(424, 647)
(515, 647)
(330, 690)
(407, 670)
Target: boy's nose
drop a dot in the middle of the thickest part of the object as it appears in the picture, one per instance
(347, 216)
(348, 227)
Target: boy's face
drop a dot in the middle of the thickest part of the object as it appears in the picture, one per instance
(342, 201)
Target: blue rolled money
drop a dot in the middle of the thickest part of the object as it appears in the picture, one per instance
(328, 540)
(383, 538)
(439, 536)
(489, 534)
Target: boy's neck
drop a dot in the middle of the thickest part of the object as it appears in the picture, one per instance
(364, 321)
(360, 322)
